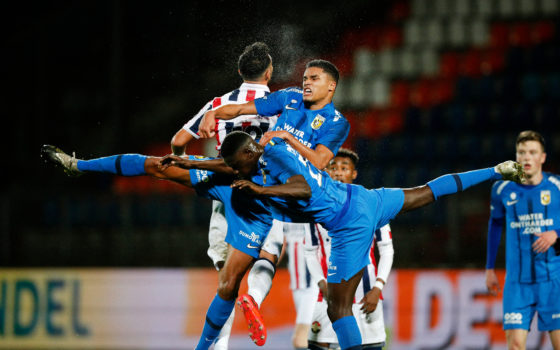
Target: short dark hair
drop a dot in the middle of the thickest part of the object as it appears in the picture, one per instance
(254, 61)
(346, 153)
(327, 66)
(233, 142)
(530, 135)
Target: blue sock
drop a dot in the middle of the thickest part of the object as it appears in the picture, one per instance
(348, 333)
(453, 183)
(217, 315)
(122, 164)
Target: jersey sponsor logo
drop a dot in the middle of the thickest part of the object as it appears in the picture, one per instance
(252, 237)
(531, 223)
(513, 318)
(202, 175)
(555, 316)
(317, 122)
(545, 197)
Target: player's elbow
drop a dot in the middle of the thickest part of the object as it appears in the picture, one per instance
(305, 192)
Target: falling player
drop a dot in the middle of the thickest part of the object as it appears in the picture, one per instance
(301, 192)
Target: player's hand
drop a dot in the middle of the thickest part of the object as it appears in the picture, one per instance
(545, 241)
(265, 139)
(370, 300)
(323, 288)
(492, 282)
(247, 186)
(207, 125)
(173, 160)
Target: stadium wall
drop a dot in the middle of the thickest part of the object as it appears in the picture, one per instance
(165, 308)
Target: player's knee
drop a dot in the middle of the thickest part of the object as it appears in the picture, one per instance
(229, 286)
(337, 311)
(515, 343)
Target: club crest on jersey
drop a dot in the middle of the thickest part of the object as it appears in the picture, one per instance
(316, 327)
(317, 122)
(545, 197)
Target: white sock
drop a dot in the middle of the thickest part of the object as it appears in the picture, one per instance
(223, 338)
(260, 279)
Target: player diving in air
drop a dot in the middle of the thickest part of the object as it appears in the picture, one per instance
(298, 191)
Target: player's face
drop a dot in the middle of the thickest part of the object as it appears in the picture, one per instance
(317, 85)
(531, 156)
(342, 169)
(242, 165)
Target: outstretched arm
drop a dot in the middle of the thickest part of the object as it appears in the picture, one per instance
(319, 157)
(215, 165)
(208, 124)
(296, 187)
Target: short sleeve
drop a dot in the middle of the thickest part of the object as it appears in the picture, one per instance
(335, 135)
(282, 164)
(272, 104)
(192, 125)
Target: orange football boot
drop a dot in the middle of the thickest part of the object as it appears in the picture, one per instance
(255, 322)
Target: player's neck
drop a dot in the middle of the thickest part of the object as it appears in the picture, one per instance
(258, 82)
(315, 106)
(535, 179)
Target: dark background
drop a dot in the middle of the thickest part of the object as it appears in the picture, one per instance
(110, 77)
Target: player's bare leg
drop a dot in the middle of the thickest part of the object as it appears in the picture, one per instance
(230, 276)
(299, 339)
(516, 339)
(340, 297)
(420, 196)
(555, 339)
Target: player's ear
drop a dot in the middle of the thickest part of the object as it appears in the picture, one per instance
(332, 85)
(354, 174)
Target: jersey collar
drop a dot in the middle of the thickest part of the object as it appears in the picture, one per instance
(249, 86)
(329, 108)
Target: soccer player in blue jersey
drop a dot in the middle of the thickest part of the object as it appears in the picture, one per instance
(308, 121)
(530, 213)
(249, 220)
(298, 191)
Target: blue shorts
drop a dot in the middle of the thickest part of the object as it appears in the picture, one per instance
(352, 236)
(245, 237)
(522, 300)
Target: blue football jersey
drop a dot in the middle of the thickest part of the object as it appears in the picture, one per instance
(246, 214)
(528, 210)
(325, 126)
(280, 162)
